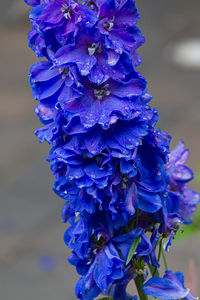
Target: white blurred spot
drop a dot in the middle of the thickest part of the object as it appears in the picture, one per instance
(186, 54)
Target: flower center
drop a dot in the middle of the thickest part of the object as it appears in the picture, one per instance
(94, 48)
(64, 71)
(101, 92)
(124, 181)
(100, 239)
(108, 25)
(99, 160)
(93, 6)
(66, 11)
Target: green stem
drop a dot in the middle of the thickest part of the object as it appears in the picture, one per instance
(164, 258)
(160, 247)
(154, 271)
(139, 283)
(148, 228)
(109, 297)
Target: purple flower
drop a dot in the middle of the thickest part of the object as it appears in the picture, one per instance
(88, 292)
(59, 20)
(85, 172)
(116, 185)
(32, 2)
(180, 175)
(154, 242)
(120, 183)
(171, 286)
(106, 268)
(176, 165)
(120, 293)
(104, 104)
(124, 242)
(48, 83)
(94, 255)
(117, 24)
(91, 58)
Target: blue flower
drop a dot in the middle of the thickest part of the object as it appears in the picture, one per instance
(68, 214)
(112, 167)
(48, 83)
(56, 22)
(39, 45)
(92, 59)
(180, 175)
(87, 180)
(117, 24)
(154, 242)
(89, 292)
(171, 286)
(120, 293)
(101, 264)
(124, 242)
(32, 2)
(105, 103)
(176, 165)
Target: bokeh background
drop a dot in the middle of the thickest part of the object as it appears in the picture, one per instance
(33, 257)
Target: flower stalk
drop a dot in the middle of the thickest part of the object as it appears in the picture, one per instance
(124, 191)
(139, 280)
(164, 258)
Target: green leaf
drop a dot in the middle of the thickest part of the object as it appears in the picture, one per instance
(132, 249)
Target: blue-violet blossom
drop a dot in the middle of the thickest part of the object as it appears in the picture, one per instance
(124, 190)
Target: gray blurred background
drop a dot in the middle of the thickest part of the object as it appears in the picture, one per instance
(33, 257)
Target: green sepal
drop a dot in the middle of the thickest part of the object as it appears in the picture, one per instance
(154, 271)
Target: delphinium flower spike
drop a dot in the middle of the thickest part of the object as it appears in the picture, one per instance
(125, 194)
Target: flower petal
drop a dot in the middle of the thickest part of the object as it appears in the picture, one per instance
(166, 288)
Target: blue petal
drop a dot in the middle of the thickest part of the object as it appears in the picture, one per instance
(166, 288)
(149, 202)
(183, 174)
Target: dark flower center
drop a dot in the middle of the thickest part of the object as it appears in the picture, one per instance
(99, 160)
(100, 240)
(124, 181)
(66, 11)
(64, 71)
(94, 48)
(108, 25)
(101, 92)
(93, 6)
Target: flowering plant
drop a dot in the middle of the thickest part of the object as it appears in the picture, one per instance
(126, 194)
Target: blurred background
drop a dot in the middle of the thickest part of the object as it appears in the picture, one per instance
(33, 257)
